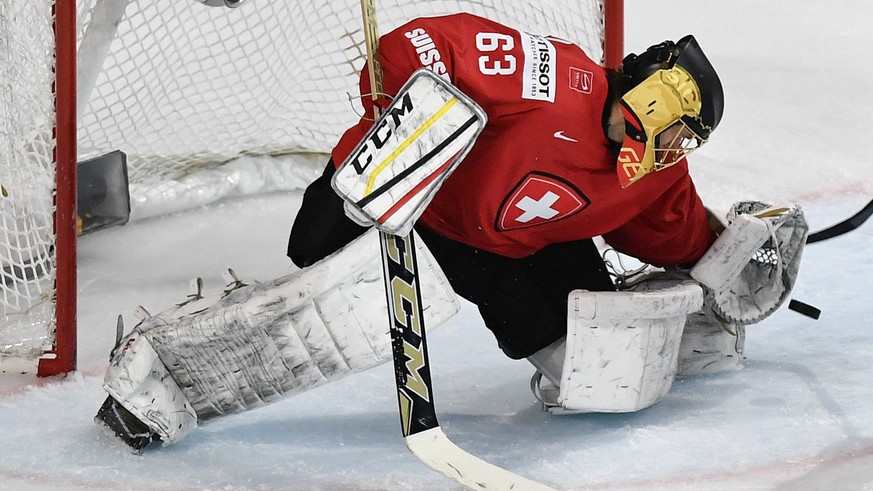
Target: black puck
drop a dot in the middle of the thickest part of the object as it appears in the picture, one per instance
(804, 308)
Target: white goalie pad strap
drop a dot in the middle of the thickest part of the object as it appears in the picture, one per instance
(710, 345)
(622, 347)
(268, 341)
(393, 173)
(751, 268)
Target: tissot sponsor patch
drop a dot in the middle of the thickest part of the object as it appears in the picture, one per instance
(538, 77)
(539, 198)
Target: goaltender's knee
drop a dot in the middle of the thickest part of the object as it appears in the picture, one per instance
(320, 227)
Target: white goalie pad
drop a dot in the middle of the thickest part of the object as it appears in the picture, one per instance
(622, 347)
(710, 345)
(751, 268)
(393, 173)
(138, 379)
(264, 342)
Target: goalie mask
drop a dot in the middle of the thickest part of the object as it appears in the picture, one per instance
(674, 102)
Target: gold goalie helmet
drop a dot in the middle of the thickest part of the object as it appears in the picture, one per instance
(673, 87)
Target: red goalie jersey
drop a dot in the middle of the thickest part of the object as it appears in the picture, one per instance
(542, 171)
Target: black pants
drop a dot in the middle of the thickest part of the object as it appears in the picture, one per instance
(522, 301)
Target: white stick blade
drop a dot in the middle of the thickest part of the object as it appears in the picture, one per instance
(435, 449)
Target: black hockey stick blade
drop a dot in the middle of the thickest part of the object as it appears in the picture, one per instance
(843, 227)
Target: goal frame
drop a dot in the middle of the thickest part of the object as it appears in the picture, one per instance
(63, 356)
(613, 33)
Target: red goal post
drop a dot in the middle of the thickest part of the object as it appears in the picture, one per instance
(613, 33)
(62, 356)
(180, 86)
(38, 296)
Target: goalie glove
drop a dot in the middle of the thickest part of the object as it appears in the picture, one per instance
(751, 268)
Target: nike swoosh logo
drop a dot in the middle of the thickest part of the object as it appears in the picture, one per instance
(562, 136)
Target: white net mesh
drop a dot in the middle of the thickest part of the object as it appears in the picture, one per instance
(27, 176)
(184, 87)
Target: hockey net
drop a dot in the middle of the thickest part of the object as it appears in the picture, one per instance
(199, 98)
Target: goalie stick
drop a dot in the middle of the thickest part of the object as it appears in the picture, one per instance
(421, 431)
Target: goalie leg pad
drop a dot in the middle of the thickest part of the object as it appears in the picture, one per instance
(139, 381)
(265, 342)
(622, 347)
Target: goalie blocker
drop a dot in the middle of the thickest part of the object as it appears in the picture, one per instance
(257, 344)
(393, 173)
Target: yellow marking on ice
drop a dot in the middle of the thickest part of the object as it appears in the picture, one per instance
(371, 182)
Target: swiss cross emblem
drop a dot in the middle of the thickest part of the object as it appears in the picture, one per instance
(581, 80)
(537, 199)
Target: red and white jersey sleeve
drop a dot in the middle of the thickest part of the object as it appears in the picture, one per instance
(542, 171)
